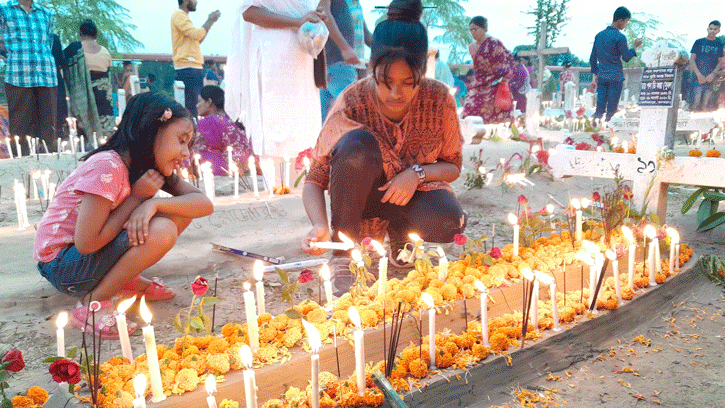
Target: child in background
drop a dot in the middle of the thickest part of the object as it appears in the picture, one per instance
(104, 226)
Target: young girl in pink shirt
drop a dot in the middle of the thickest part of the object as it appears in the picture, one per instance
(104, 226)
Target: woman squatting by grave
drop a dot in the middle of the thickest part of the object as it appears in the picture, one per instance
(387, 151)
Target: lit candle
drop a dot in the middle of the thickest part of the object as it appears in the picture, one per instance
(21, 205)
(197, 157)
(428, 300)
(9, 146)
(253, 173)
(60, 147)
(210, 385)
(677, 257)
(442, 264)
(83, 144)
(550, 210)
(286, 170)
(45, 182)
(345, 245)
(313, 337)
(577, 206)
(325, 275)
(650, 232)
(35, 177)
(306, 162)
(17, 146)
(615, 269)
(60, 323)
(674, 242)
(359, 343)
(514, 221)
(269, 175)
(382, 267)
(258, 276)
(230, 162)
(235, 171)
(632, 249)
(535, 303)
(549, 281)
(139, 388)
(51, 191)
(484, 311)
(252, 324)
(30, 144)
(95, 140)
(208, 177)
(658, 260)
(250, 383)
(185, 174)
(123, 328)
(152, 356)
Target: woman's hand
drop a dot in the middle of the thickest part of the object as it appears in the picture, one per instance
(400, 189)
(313, 16)
(148, 184)
(318, 233)
(137, 225)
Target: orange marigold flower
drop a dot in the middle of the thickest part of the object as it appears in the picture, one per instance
(217, 345)
(449, 291)
(22, 401)
(218, 363)
(186, 380)
(660, 278)
(230, 329)
(712, 153)
(38, 395)
(499, 342)
(229, 404)
(399, 370)
(264, 318)
(567, 314)
(369, 318)
(627, 293)
(480, 351)
(418, 368)
(694, 153)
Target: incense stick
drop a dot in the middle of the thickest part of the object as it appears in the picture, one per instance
(593, 303)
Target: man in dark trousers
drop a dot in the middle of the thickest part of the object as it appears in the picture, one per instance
(610, 48)
(705, 64)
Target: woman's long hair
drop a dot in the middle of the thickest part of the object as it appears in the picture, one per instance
(401, 30)
(136, 134)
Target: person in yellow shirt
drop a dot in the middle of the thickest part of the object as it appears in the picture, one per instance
(188, 60)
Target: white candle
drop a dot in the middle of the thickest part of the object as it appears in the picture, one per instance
(484, 311)
(29, 141)
(615, 269)
(73, 144)
(51, 191)
(235, 171)
(185, 174)
(658, 260)
(83, 144)
(208, 177)
(359, 343)
(554, 307)
(442, 264)
(325, 275)
(514, 220)
(253, 173)
(632, 249)
(345, 244)
(382, 267)
(60, 147)
(44, 182)
(428, 300)
(677, 257)
(535, 305)
(250, 384)
(577, 206)
(252, 324)
(123, 328)
(139, 388)
(152, 356)
(269, 175)
(95, 141)
(230, 162)
(17, 146)
(10, 147)
(314, 339)
(259, 276)
(197, 157)
(650, 232)
(210, 385)
(286, 170)
(20, 205)
(60, 323)
(306, 162)
(674, 241)
(35, 177)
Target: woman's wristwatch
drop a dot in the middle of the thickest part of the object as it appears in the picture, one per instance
(418, 169)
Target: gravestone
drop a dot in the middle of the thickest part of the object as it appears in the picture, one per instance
(533, 115)
(570, 96)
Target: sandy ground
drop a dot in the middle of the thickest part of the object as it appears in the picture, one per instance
(274, 226)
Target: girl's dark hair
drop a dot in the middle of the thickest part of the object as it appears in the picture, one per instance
(480, 21)
(88, 29)
(215, 93)
(401, 37)
(139, 127)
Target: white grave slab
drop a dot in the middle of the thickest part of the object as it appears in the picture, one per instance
(702, 123)
(533, 109)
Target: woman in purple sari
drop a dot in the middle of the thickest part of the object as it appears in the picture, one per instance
(492, 63)
(519, 84)
(219, 131)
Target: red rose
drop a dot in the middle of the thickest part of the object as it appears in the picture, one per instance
(67, 371)
(299, 161)
(661, 233)
(305, 276)
(199, 286)
(580, 111)
(583, 146)
(569, 114)
(15, 357)
(366, 241)
(569, 140)
(627, 192)
(495, 253)
(460, 239)
(595, 196)
(523, 200)
(543, 157)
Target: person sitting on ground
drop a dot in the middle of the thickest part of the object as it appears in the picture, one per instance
(104, 227)
(218, 131)
(389, 148)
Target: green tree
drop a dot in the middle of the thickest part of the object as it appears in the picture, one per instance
(638, 26)
(553, 12)
(110, 18)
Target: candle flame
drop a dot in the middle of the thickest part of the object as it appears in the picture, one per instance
(346, 240)
(247, 286)
(36, 174)
(139, 385)
(527, 274)
(590, 246)
(306, 161)
(480, 286)
(234, 168)
(482, 169)
(313, 336)
(378, 247)
(210, 384)
(206, 166)
(628, 234)
(414, 237)
(544, 278)
(614, 140)
(144, 311)
(625, 146)
(258, 270)
(427, 299)
(585, 257)
(325, 272)
(197, 156)
(251, 161)
(229, 148)
(61, 320)
(585, 202)
(535, 149)
(356, 255)
(513, 220)
(550, 208)
(611, 255)
(124, 305)
(673, 234)
(245, 353)
(576, 204)
(354, 316)
(650, 231)
(440, 252)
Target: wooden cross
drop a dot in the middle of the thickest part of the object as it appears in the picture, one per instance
(542, 51)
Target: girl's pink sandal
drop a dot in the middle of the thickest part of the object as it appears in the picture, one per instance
(155, 291)
(105, 327)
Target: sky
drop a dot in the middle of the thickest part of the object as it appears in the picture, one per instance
(506, 19)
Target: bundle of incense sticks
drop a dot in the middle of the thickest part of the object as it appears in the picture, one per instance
(396, 326)
(528, 293)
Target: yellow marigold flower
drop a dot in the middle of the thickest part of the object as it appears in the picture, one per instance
(465, 340)
(228, 404)
(202, 342)
(267, 334)
(435, 283)
(273, 403)
(467, 290)
(124, 399)
(218, 363)
(567, 314)
(267, 354)
(317, 315)
(294, 395)
(292, 336)
(22, 401)
(406, 295)
(308, 305)
(38, 395)
(229, 329)
(499, 342)
(264, 318)
(480, 351)
(369, 318)
(217, 345)
(449, 291)
(197, 362)
(418, 368)
(170, 355)
(186, 380)
(627, 292)
(278, 322)
(191, 350)
(373, 397)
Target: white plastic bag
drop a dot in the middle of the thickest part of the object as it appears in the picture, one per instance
(312, 37)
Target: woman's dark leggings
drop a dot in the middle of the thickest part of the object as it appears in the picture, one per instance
(356, 174)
